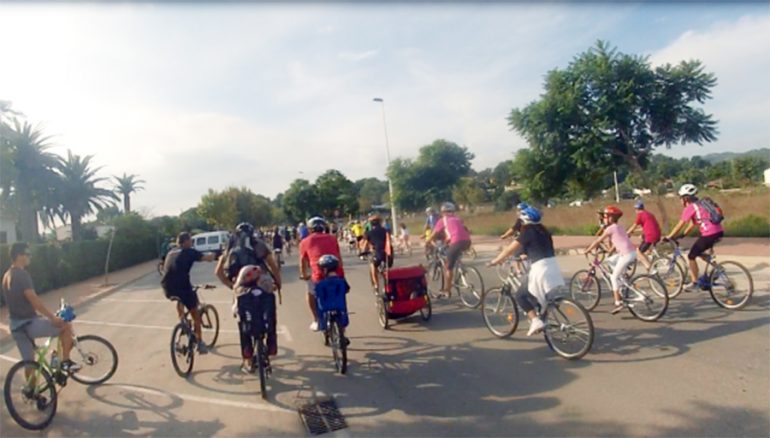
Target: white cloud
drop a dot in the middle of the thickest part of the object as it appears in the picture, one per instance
(357, 56)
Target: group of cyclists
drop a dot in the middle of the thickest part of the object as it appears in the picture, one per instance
(248, 266)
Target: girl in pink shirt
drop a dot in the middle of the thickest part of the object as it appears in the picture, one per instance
(626, 251)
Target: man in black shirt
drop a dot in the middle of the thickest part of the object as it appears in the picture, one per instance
(176, 281)
(378, 241)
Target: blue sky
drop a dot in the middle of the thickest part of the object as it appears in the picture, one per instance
(194, 96)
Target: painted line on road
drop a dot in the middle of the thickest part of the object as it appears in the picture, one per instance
(115, 300)
(282, 329)
(9, 358)
(207, 400)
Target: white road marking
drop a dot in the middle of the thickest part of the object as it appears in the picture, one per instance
(116, 300)
(207, 400)
(9, 358)
(282, 330)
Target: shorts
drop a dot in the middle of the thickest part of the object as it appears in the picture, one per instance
(381, 257)
(646, 245)
(359, 238)
(189, 298)
(703, 244)
(454, 251)
(36, 328)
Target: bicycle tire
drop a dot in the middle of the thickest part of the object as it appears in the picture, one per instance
(437, 276)
(648, 289)
(90, 358)
(497, 302)
(471, 292)
(262, 369)
(671, 274)
(339, 349)
(567, 319)
(723, 281)
(210, 325)
(49, 386)
(182, 350)
(585, 289)
(426, 311)
(382, 313)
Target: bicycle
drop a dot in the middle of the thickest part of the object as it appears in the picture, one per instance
(729, 283)
(34, 382)
(470, 253)
(670, 269)
(644, 295)
(468, 281)
(334, 338)
(568, 331)
(183, 339)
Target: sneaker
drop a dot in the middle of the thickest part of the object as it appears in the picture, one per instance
(202, 348)
(535, 326)
(690, 287)
(618, 307)
(346, 340)
(247, 368)
(314, 326)
(69, 366)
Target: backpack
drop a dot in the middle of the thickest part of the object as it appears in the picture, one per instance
(714, 212)
(241, 253)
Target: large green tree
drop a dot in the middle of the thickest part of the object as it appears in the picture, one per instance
(300, 201)
(78, 191)
(126, 185)
(233, 205)
(371, 191)
(336, 193)
(608, 110)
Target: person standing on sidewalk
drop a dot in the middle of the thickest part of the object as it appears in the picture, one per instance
(650, 231)
(24, 306)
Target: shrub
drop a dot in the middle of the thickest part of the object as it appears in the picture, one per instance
(748, 226)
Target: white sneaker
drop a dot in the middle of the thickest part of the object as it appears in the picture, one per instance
(314, 326)
(535, 326)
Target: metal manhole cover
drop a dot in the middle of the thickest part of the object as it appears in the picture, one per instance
(322, 417)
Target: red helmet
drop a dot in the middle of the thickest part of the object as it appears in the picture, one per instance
(611, 210)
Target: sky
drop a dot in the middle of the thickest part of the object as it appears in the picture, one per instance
(195, 96)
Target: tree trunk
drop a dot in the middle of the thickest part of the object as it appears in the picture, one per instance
(126, 204)
(75, 227)
(27, 219)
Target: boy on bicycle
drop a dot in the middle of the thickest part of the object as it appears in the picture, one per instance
(710, 232)
(330, 294)
(650, 231)
(24, 307)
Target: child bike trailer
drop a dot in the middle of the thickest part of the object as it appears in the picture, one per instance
(405, 292)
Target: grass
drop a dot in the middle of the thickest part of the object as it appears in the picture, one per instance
(746, 213)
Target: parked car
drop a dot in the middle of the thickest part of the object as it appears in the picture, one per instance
(213, 241)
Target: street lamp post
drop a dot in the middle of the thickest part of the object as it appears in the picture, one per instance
(393, 222)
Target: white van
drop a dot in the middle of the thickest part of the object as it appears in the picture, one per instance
(213, 241)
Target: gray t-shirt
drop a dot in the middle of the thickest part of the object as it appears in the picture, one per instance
(15, 282)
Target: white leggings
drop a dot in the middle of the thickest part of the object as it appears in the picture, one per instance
(621, 262)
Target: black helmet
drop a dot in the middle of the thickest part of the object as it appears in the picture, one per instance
(328, 262)
(317, 224)
(245, 228)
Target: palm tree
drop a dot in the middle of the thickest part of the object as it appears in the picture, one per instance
(27, 169)
(78, 191)
(126, 185)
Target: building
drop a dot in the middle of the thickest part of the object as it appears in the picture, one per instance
(767, 177)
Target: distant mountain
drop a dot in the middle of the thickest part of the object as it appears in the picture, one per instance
(725, 156)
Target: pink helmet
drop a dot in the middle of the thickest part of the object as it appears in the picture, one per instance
(248, 276)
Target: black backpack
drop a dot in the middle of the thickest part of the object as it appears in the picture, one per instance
(240, 254)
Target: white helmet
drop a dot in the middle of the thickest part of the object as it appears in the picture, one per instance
(448, 207)
(688, 190)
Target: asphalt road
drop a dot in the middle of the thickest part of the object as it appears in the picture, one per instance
(700, 370)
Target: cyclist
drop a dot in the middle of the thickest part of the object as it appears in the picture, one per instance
(516, 228)
(286, 234)
(650, 231)
(458, 238)
(24, 308)
(710, 232)
(317, 244)
(176, 281)
(303, 231)
(536, 242)
(620, 242)
(255, 302)
(330, 292)
(358, 233)
(278, 245)
(431, 218)
(378, 242)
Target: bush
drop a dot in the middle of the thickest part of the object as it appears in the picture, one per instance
(748, 226)
(581, 230)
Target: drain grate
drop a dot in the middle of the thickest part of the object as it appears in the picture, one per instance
(322, 417)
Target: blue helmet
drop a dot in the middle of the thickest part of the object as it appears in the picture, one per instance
(521, 206)
(639, 204)
(329, 262)
(530, 215)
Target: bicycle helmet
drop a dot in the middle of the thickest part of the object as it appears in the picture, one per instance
(688, 190)
(521, 206)
(248, 276)
(447, 207)
(245, 228)
(611, 210)
(530, 215)
(317, 224)
(430, 210)
(639, 204)
(328, 262)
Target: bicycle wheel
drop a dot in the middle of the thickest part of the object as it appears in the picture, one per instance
(261, 357)
(470, 286)
(182, 350)
(569, 330)
(500, 312)
(671, 274)
(586, 289)
(382, 312)
(731, 285)
(339, 349)
(426, 311)
(32, 400)
(209, 325)
(97, 357)
(647, 297)
(436, 276)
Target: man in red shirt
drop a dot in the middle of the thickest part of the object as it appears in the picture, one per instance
(650, 231)
(311, 249)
